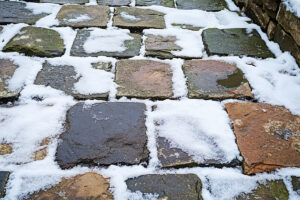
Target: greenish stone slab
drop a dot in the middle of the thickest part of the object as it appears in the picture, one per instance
(166, 3)
(3, 180)
(207, 5)
(114, 2)
(235, 42)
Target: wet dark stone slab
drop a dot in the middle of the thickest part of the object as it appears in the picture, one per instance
(114, 2)
(104, 134)
(65, 1)
(15, 12)
(3, 180)
(235, 42)
(207, 5)
(296, 184)
(168, 186)
(166, 3)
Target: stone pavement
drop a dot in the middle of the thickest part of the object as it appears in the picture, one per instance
(121, 130)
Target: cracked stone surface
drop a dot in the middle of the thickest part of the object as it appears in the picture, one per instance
(166, 3)
(114, 2)
(4, 175)
(207, 5)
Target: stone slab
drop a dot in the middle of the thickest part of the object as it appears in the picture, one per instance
(207, 5)
(104, 134)
(5, 149)
(114, 2)
(234, 42)
(168, 186)
(188, 27)
(265, 135)
(65, 1)
(4, 175)
(36, 41)
(137, 19)
(144, 79)
(209, 79)
(165, 3)
(296, 184)
(132, 46)
(106, 66)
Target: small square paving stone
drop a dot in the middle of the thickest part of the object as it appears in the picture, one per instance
(36, 41)
(209, 79)
(236, 42)
(137, 19)
(166, 3)
(268, 136)
(144, 79)
(80, 16)
(114, 2)
(207, 5)
(104, 134)
(3, 180)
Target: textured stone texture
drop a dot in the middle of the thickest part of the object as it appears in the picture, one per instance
(36, 41)
(3, 180)
(65, 1)
(168, 186)
(259, 16)
(5, 149)
(132, 46)
(296, 184)
(208, 5)
(166, 3)
(104, 134)
(114, 2)
(271, 30)
(15, 12)
(187, 26)
(209, 79)
(86, 186)
(265, 135)
(107, 66)
(234, 42)
(137, 19)
(144, 79)
(98, 16)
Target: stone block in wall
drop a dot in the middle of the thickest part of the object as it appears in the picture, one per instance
(241, 3)
(271, 7)
(271, 30)
(256, 13)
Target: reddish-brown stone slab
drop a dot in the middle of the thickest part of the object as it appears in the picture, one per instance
(268, 136)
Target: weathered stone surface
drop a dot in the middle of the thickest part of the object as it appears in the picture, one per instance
(36, 41)
(166, 3)
(80, 16)
(86, 186)
(209, 79)
(104, 134)
(65, 1)
(207, 5)
(256, 13)
(168, 186)
(132, 46)
(265, 135)
(137, 19)
(63, 77)
(3, 180)
(270, 190)
(42, 153)
(114, 2)
(15, 12)
(187, 26)
(296, 184)
(271, 6)
(271, 30)
(102, 66)
(5, 149)
(144, 79)
(235, 42)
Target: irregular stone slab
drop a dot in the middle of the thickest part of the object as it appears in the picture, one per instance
(132, 45)
(5, 149)
(235, 42)
(36, 41)
(16, 12)
(265, 135)
(207, 5)
(209, 79)
(63, 77)
(187, 26)
(106, 66)
(42, 153)
(137, 19)
(296, 184)
(144, 79)
(79, 16)
(104, 134)
(114, 2)
(65, 1)
(168, 186)
(165, 3)
(3, 180)
(86, 186)
(270, 190)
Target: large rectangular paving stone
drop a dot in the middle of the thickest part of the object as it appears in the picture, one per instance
(101, 43)
(104, 134)
(235, 42)
(114, 2)
(268, 136)
(209, 79)
(79, 16)
(166, 3)
(207, 5)
(144, 79)
(4, 175)
(137, 19)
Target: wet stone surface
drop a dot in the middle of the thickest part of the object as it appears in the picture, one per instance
(265, 135)
(4, 175)
(79, 16)
(114, 2)
(166, 3)
(104, 134)
(234, 42)
(65, 1)
(209, 79)
(168, 186)
(144, 79)
(207, 5)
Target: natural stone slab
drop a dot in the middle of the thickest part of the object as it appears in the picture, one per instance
(63, 77)
(114, 2)
(16, 12)
(165, 3)
(104, 134)
(296, 184)
(207, 5)
(79, 16)
(132, 46)
(65, 1)
(137, 19)
(265, 135)
(209, 79)
(86, 186)
(3, 180)
(168, 186)
(5, 149)
(144, 79)
(187, 26)
(235, 42)
(36, 41)
(42, 153)
(270, 190)
(106, 66)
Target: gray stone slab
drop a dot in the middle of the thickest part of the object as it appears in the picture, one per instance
(296, 184)
(207, 5)
(166, 3)
(65, 1)
(114, 2)
(4, 175)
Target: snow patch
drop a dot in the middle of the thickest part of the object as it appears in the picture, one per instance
(80, 18)
(293, 6)
(127, 16)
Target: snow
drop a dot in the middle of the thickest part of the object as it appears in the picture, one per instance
(293, 6)
(8, 32)
(80, 18)
(127, 16)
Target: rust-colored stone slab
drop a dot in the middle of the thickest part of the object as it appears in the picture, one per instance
(268, 136)
(144, 79)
